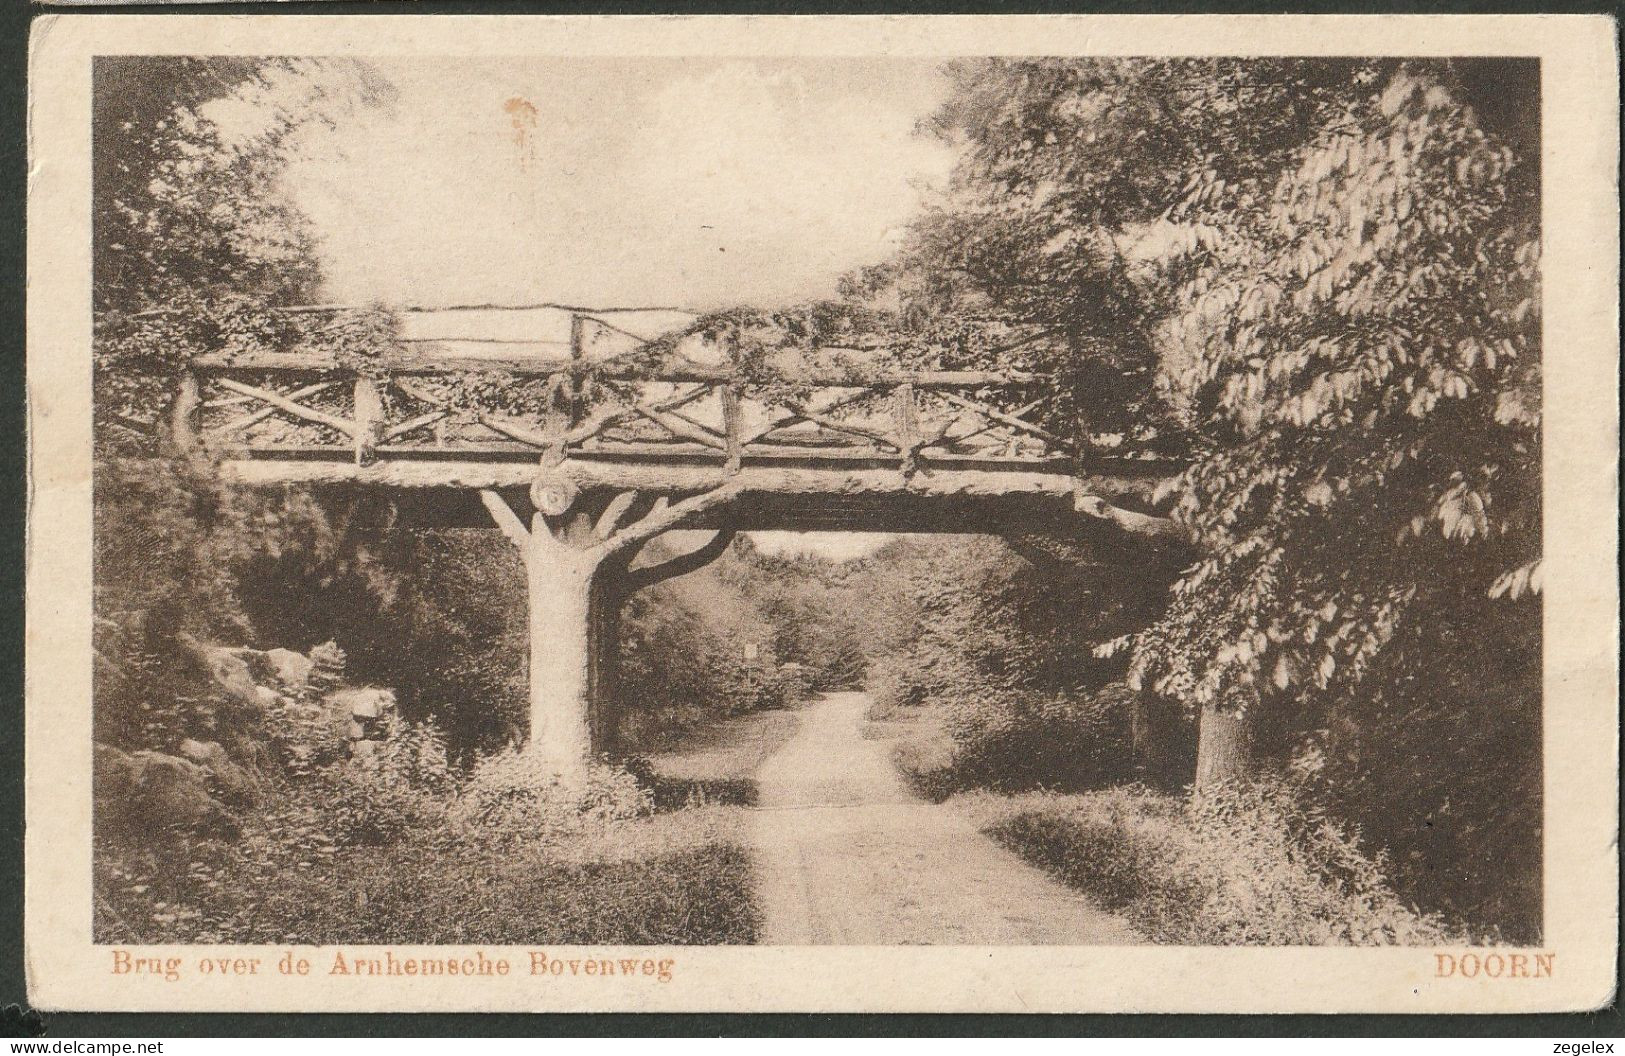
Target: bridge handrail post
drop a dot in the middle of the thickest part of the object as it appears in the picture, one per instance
(905, 412)
(369, 419)
(733, 425)
(186, 413)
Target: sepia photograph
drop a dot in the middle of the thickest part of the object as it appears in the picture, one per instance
(625, 501)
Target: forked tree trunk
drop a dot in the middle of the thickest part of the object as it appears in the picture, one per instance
(1224, 747)
(576, 576)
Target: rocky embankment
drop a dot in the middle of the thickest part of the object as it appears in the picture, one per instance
(276, 709)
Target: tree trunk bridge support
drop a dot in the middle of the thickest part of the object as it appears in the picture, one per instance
(607, 466)
(578, 571)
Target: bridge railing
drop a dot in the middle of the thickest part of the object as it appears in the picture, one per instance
(422, 403)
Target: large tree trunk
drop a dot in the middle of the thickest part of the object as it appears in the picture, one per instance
(561, 649)
(605, 660)
(1224, 747)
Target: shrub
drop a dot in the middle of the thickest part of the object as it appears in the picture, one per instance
(514, 796)
(305, 734)
(1246, 865)
(845, 666)
(476, 895)
(787, 686)
(1437, 758)
(999, 650)
(1022, 739)
(402, 786)
(896, 684)
(454, 639)
(921, 673)
(693, 650)
(675, 879)
(926, 761)
(983, 735)
(736, 685)
(410, 755)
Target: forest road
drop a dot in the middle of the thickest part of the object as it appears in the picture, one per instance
(850, 857)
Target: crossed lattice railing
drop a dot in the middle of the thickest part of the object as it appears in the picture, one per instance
(422, 403)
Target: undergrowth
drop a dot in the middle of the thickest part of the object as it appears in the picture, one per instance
(1245, 865)
(402, 849)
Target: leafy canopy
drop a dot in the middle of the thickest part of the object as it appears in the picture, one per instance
(1317, 281)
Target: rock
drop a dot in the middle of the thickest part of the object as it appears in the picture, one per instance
(203, 752)
(226, 668)
(363, 750)
(243, 672)
(237, 785)
(291, 669)
(362, 702)
(141, 794)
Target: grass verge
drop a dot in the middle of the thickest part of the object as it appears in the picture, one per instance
(1244, 866)
(676, 879)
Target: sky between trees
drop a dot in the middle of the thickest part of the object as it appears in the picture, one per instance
(699, 183)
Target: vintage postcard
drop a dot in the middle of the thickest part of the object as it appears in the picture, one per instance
(1063, 514)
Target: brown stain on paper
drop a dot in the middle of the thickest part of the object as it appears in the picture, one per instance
(522, 116)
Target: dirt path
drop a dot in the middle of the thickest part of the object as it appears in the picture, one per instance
(850, 857)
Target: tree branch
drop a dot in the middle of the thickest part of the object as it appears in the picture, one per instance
(420, 394)
(790, 419)
(596, 422)
(613, 513)
(996, 415)
(1137, 523)
(505, 518)
(838, 426)
(515, 430)
(681, 565)
(412, 425)
(987, 426)
(683, 426)
(265, 412)
(669, 515)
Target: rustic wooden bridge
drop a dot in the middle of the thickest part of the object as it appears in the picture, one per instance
(585, 452)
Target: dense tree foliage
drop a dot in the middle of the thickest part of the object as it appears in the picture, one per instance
(190, 235)
(1322, 276)
(696, 649)
(1316, 283)
(997, 650)
(814, 609)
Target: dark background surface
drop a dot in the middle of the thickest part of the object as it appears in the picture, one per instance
(17, 1020)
